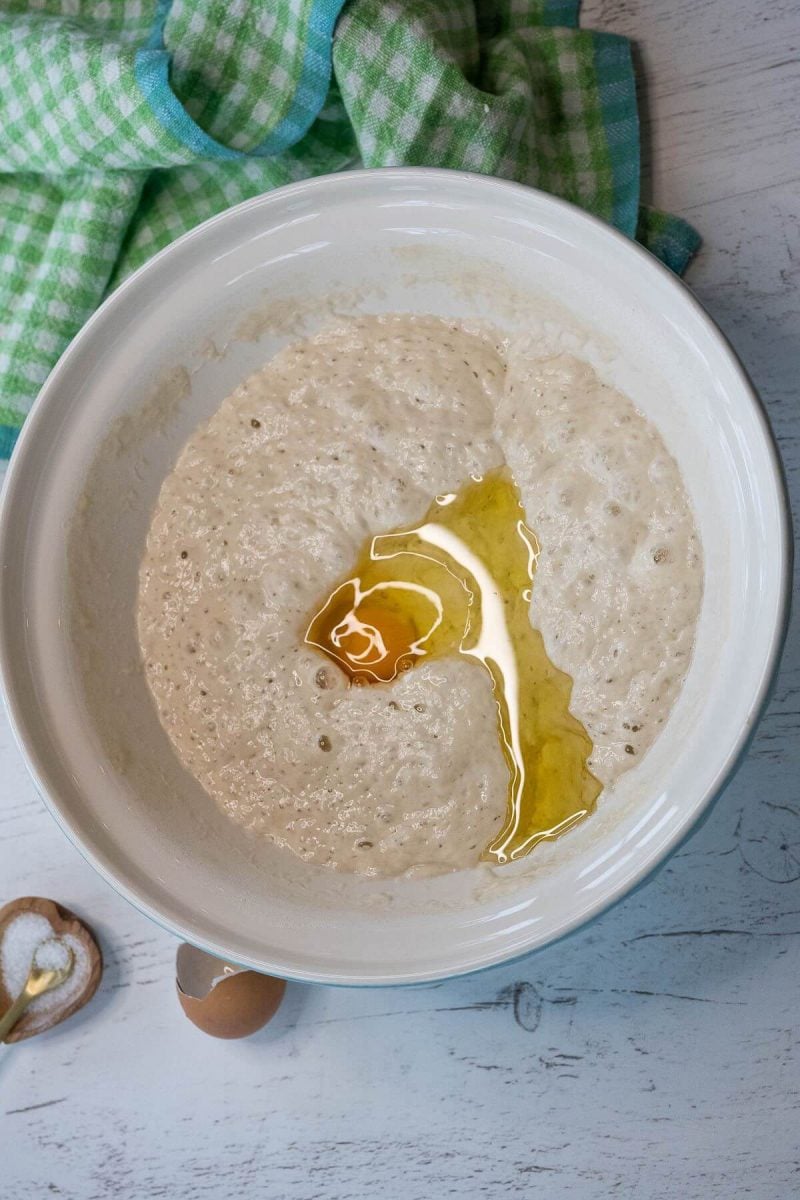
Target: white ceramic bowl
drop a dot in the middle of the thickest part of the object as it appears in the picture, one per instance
(412, 240)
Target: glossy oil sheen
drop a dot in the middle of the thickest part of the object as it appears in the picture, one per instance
(460, 583)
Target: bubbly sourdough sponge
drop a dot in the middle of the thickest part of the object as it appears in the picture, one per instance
(351, 434)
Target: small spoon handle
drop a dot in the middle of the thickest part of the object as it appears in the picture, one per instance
(10, 1018)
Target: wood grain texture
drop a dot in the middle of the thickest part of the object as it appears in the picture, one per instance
(653, 1054)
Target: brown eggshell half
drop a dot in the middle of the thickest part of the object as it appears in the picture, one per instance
(236, 1005)
(62, 921)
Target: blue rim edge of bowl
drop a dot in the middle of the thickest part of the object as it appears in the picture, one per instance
(769, 676)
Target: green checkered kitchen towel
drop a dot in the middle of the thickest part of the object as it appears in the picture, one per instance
(123, 123)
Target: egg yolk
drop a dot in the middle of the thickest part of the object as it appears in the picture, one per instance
(460, 583)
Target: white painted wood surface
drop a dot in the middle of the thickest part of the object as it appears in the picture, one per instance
(653, 1054)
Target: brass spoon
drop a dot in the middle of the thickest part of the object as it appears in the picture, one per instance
(39, 981)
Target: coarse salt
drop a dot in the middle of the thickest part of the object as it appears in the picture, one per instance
(26, 934)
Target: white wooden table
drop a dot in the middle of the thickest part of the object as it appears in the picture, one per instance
(654, 1054)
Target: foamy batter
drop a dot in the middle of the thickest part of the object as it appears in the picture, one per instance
(351, 434)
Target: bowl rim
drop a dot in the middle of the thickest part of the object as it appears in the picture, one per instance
(15, 478)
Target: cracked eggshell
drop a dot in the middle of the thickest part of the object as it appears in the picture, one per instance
(224, 1000)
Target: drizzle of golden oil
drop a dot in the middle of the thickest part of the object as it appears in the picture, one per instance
(461, 583)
